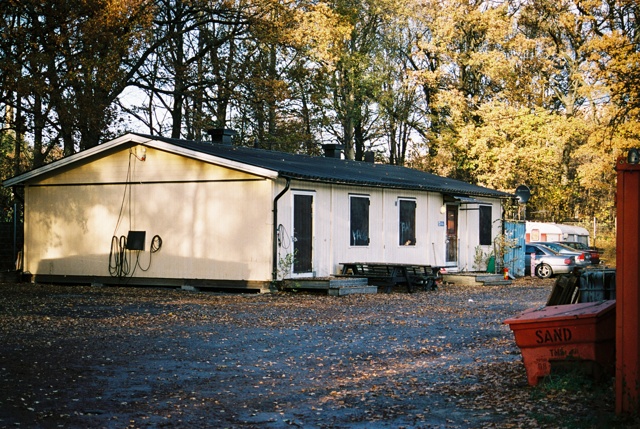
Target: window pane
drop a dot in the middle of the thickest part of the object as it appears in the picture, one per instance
(359, 221)
(407, 223)
(485, 225)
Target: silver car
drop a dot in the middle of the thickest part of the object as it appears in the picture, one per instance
(547, 262)
(583, 259)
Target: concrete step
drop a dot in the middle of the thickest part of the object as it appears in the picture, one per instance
(349, 290)
(476, 279)
(496, 282)
(490, 278)
(335, 286)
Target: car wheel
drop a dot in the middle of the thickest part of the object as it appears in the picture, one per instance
(544, 271)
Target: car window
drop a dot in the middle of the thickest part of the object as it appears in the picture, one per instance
(561, 247)
(577, 245)
(536, 250)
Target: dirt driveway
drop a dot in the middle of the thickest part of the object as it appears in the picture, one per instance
(79, 357)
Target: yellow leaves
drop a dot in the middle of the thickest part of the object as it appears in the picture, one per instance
(115, 11)
(517, 145)
(322, 31)
(597, 156)
(109, 16)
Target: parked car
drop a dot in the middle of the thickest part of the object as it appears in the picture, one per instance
(578, 245)
(583, 258)
(548, 262)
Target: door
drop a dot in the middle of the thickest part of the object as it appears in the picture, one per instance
(452, 235)
(302, 233)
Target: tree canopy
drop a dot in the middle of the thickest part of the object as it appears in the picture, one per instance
(498, 93)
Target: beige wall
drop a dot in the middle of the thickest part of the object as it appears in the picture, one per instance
(158, 165)
(215, 223)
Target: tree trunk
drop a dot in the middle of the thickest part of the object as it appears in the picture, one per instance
(18, 140)
(271, 103)
(39, 154)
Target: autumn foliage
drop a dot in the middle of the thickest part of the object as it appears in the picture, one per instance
(535, 92)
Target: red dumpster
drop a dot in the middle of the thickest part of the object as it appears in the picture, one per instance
(567, 334)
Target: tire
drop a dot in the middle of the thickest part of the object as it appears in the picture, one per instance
(544, 271)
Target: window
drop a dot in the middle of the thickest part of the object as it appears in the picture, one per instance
(407, 210)
(359, 230)
(485, 225)
(530, 249)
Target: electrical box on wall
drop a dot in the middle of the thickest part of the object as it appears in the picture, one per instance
(135, 240)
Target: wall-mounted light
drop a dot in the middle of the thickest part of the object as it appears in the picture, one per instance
(633, 156)
(140, 152)
(443, 209)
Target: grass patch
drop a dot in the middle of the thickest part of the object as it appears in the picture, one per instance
(606, 242)
(571, 380)
(566, 388)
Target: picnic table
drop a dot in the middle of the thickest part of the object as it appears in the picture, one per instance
(388, 275)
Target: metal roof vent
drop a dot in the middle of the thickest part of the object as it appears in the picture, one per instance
(221, 135)
(332, 150)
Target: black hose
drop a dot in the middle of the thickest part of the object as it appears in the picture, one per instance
(156, 245)
(118, 259)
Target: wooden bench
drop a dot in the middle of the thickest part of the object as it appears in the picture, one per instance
(388, 275)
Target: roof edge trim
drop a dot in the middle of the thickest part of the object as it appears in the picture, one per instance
(144, 140)
(222, 162)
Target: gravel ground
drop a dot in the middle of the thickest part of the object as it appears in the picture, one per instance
(79, 357)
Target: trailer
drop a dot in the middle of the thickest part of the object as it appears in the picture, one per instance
(541, 231)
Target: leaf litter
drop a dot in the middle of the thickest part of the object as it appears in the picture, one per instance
(114, 357)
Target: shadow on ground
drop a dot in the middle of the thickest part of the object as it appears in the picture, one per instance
(134, 357)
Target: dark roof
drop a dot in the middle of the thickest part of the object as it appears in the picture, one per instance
(334, 170)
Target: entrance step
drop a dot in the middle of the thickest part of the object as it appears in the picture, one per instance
(476, 279)
(350, 290)
(333, 285)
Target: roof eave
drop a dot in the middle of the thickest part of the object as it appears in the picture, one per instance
(496, 194)
(17, 180)
(222, 162)
(138, 139)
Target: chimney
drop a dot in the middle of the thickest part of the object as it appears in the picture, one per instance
(332, 150)
(369, 156)
(221, 135)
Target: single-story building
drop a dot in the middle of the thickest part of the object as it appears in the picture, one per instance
(144, 209)
(549, 231)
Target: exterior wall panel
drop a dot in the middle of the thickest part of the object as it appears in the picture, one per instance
(469, 232)
(215, 228)
(158, 165)
(332, 227)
